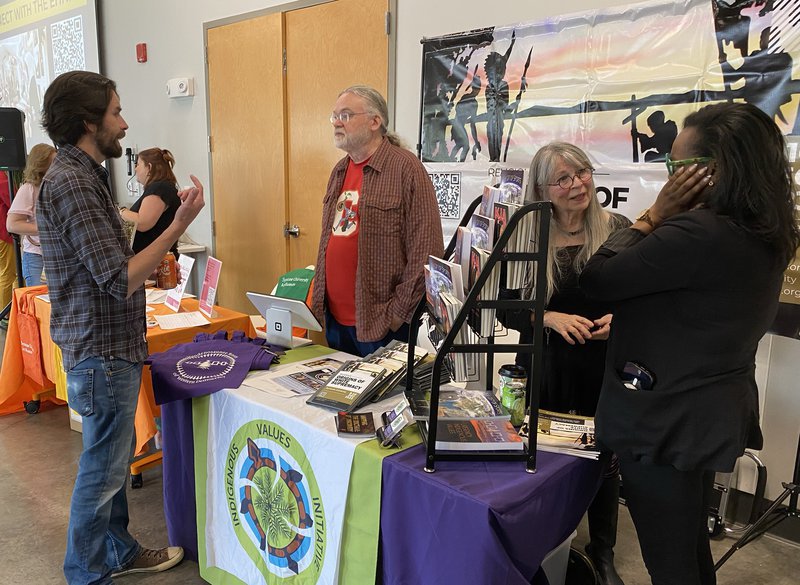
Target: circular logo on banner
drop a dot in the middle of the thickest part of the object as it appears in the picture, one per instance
(274, 502)
(204, 366)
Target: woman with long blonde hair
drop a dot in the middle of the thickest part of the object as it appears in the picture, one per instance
(22, 213)
(576, 329)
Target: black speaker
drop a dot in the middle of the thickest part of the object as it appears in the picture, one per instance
(12, 139)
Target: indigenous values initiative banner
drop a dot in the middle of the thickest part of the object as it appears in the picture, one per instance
(617, 82)
(275, 499)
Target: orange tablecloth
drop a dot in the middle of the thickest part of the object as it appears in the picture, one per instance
(157, 340)
(15, 386)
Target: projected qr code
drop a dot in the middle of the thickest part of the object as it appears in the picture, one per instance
(68, 53)
(448, 193)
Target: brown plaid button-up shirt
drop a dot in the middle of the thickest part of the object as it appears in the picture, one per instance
(399, 227)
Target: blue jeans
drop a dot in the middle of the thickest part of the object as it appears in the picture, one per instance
(32, 268)
(343, 337)
(104, 391)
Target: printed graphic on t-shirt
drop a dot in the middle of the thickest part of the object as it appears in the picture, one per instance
(345, 219)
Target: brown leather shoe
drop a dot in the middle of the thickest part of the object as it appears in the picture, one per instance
(151, 560)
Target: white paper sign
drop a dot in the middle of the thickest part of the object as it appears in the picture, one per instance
(209, 289)
(181, 320)
(174, 296)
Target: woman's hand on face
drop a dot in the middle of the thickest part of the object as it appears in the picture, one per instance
(571, 327)
(680, 192)
(602, 328)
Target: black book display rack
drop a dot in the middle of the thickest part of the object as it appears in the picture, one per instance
(535, 256)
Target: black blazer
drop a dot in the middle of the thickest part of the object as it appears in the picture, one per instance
(691, 302)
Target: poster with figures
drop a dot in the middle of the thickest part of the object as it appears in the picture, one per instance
(618, 82)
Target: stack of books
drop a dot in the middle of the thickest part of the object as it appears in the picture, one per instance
(444, 289)
(422, 377)
(570, 434)
(394, 357)
(483, 321)
(523, 239)
(467, 420)
(368, 378)
(475, 434)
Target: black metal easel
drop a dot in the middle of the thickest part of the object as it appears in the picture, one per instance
(774, 515)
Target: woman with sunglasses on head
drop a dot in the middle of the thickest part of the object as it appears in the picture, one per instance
(575, 327)
(694, 286)
(154, 211)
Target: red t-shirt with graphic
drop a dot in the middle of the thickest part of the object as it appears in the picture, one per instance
(341, 257)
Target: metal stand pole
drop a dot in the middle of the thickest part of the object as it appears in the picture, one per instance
(773, 516)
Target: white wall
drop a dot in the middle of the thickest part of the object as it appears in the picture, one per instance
(173, 32)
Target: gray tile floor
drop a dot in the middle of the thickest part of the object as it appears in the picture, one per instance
(37, 471)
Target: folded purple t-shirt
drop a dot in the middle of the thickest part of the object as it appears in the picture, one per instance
(206, 365)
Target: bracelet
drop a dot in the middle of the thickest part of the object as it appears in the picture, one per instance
(645, 217)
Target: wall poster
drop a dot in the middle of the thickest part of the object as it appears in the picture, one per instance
(617, 82)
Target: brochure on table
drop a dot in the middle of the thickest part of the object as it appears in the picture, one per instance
(174, 296)
(209, 289)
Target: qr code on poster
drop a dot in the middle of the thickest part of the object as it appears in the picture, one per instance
(448, 193)
(68, 43)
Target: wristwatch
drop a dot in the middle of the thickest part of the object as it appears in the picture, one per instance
(645, 217)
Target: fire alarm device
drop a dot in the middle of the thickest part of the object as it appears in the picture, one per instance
(141, 52)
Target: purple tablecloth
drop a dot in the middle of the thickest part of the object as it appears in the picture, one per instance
(470, 522)
(485, 522)
(177, 446)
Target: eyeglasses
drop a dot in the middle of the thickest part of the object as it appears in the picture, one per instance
(566, 182)
(344, 117)
(674, 165)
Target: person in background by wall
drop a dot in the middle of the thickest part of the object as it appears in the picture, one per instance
(22, 214)
(380, 221)
(154, 211)
(8, 268)
(573, 356)
(694, 285)
(98, 318)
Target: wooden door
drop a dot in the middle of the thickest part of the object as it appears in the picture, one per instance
(329, 47)
(272, 144)
(246, 89)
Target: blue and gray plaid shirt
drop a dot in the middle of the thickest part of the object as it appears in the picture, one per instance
(86, 255)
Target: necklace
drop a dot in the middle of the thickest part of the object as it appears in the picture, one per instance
(569, 233)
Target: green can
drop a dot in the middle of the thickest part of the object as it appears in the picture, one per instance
(513, 382)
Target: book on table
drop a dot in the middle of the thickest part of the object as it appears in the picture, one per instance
(355, 425)
(349, 386)
(571, 434)
(393, 357)
(475, 434)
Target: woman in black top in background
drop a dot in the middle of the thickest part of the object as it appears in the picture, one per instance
(155, 209)
(575, 327)
(694, 286)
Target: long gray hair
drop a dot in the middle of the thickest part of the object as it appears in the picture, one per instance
(595, 221)
(376, 105)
